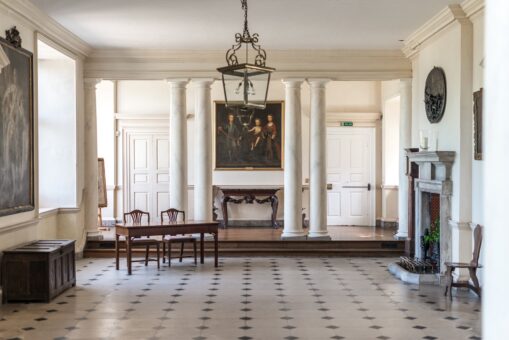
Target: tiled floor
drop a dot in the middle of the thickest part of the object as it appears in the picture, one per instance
(246, 298)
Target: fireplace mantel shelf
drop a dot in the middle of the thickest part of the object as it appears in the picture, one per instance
(432, 156)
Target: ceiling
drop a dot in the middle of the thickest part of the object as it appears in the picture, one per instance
(211, 24)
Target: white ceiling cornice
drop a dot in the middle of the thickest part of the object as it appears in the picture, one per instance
(39, 21)
(472, 7)
(452, 13)
(334, 64)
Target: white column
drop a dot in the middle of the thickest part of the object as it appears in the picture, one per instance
(293, 161)
(203, 149)
(178, 144)
(496, 143)
(318, 162)
(405, 141)
(90, 194)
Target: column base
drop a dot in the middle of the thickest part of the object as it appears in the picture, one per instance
(94, 236)
(294, 236)
(401, 235)
(319, 236)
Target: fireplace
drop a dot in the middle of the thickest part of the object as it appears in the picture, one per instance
(433, 190)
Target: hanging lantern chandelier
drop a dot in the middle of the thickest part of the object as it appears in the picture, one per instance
(246, 85)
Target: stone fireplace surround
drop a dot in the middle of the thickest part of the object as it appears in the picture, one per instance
(434, 177)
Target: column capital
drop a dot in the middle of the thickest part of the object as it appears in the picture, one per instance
(293, 82)
(91, 83)
(318, 82)
(202, 82)
(178, 82)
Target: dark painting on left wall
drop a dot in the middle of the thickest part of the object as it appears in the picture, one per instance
(16, 131)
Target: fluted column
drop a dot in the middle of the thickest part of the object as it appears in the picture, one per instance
(318, 161)
(405, 141)
(293, 161)
(495, 275)
(90, 194)
(178, 144)
(203, 149)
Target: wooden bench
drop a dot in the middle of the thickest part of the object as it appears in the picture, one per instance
(38, 271)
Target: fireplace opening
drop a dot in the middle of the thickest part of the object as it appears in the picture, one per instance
(430, 239)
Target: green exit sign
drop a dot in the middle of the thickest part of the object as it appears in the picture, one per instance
(346, 123)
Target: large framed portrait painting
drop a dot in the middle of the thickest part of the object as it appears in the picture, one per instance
(249, 140)
(16, 131)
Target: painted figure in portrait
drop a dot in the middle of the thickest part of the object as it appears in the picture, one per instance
(16, 132)
(249, 139)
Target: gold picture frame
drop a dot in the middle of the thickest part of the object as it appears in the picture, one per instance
(252, 147)
(477, 124)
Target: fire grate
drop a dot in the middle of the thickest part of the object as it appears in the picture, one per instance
(418, 266)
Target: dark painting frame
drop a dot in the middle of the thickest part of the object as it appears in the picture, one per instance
(244, 145)
(477, 128)
(16, 131)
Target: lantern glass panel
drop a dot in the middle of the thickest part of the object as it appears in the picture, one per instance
(246, 87)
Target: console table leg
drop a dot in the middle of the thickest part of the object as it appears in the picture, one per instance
(274, 202)
(224, 206)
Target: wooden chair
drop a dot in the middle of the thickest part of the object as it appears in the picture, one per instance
(172, 215)
(136, 216)
(472, 268)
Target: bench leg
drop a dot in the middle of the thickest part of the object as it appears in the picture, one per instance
(181, 251)
(164, 251)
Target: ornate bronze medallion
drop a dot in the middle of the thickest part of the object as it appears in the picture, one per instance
(435, 95)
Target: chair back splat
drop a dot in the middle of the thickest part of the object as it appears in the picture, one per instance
(136, 216)
(477, 245)
(172, 215)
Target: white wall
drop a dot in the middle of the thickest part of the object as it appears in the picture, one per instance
(152, 98)
(458, 49)
(390, 101)
(478, 83)
(68, 223)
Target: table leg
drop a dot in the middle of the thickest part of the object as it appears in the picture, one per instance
(224, 206)
(216, 250)
(128, 248)
(202, 248)
(274, 202)
(117, 251)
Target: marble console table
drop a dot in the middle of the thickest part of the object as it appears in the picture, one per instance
(250, 195)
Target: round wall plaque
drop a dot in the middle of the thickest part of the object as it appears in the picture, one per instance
(435, 95)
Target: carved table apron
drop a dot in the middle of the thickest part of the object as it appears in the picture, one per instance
(249, 195)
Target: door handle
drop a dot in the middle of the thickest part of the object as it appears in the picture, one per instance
(329, 186)
(358, 186)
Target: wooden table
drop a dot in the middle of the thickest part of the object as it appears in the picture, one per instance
(249, 195)
(136, 230)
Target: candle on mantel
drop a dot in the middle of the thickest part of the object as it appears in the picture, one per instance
(424, 142)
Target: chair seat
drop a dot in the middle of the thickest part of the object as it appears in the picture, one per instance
(461, 265)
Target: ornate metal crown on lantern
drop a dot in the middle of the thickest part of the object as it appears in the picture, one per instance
(246, 85)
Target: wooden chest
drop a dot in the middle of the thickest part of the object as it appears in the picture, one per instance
(38, 271)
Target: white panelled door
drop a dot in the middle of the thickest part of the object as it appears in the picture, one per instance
(147, 173)
(350, 176)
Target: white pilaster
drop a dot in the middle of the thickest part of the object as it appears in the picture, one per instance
(203, 149)
(90, 194)
(293, 161)
(405, 141)
(496, 144)
(178, 144)
(318, 161)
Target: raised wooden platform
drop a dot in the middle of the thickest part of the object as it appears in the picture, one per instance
(253, 241)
